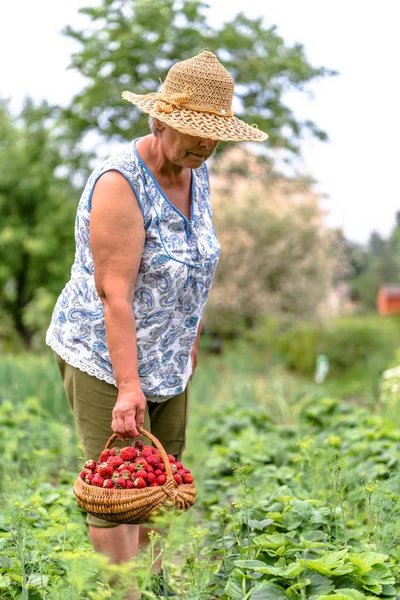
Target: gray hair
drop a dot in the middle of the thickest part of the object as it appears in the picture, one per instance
(153, 125)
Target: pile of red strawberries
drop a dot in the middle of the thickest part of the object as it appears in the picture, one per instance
(135, 466)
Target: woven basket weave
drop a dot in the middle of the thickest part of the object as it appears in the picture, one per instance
(135, 505)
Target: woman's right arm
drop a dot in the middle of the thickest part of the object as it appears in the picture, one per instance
(117, 239)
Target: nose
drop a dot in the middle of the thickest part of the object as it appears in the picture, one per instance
(207, 143)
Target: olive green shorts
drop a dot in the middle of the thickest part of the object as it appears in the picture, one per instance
(92, 401)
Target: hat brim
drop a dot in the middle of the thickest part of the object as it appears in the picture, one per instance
(196, 123)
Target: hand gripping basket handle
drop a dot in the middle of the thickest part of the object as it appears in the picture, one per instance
(157, 444)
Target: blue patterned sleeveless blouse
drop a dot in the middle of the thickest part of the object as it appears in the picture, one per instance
(174, 280)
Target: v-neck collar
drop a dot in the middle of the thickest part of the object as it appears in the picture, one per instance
(188, 222)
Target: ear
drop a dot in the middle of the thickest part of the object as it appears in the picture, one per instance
(160, 125)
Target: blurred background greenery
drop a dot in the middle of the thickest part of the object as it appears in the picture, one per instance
(287, 284)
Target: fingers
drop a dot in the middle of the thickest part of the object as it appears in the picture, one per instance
(124, 425)
(140, 411)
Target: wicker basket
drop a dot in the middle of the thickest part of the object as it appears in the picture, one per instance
(135, 505)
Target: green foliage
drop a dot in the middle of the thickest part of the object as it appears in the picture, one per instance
(297, 503)
(322, 523)
(352, 344)
(37, 211)
(374, 265)
(131, 45)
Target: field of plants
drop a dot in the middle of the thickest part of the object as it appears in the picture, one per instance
(298, 490)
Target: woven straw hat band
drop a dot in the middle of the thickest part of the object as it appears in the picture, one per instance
(199, 83)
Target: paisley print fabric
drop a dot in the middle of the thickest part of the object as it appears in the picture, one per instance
(175, 276)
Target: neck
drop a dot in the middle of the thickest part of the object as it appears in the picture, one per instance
(159, 164)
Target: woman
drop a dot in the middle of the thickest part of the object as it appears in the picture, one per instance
(126, 326)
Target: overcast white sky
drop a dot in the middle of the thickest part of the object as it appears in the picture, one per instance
(357, 169)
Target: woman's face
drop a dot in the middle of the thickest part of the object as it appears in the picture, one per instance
(185, 150)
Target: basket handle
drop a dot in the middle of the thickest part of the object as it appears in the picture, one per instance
(157, 444)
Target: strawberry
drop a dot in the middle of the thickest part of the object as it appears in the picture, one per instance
(150, 478)
(98, 480)
(132, 468)
(152, 460)
(146, 454)
(174, 468)
(129, 453)
(171, 458)
(89, 477)
(179, 465)
(141, 461)
(148, 449)
(154, 484)
(115, 475)
(161, 466)
(182, 472)
(125, 473)
(139, 483)
(140, 466)
(139, 445)
(114, 451)
(83, 473)
(115, 461)
(157, 472)
(120, 483)
(90, 464)
(105, 470)
(141, 474)
(149, 469)
(188, 478)
(161, 479)
(129, 484)
(178, 478)
(104, 456)
(108, 483)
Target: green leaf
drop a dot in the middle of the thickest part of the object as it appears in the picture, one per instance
(268, 591)
(6, 562)
(319, 584)
(332, 563)
(366, 560)
(249, 564)
(378, 575)
(37, 580)
(263, 524)
(388, 590)
(273, 541)
(345, 594)
(302, 508)
(5, 581)
(234, 590)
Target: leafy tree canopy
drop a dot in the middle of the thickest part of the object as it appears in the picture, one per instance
(37, 210)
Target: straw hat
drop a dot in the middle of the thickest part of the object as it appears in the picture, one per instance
(196, 99)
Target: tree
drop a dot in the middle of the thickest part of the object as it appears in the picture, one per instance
(381, 267)
(134, 43)
(278, 258)
(37, 211)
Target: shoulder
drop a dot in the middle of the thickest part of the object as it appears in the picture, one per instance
(121, 161)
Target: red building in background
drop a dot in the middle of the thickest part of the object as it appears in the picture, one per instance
(389, 300)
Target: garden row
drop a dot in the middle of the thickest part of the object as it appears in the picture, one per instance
(305, 507)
